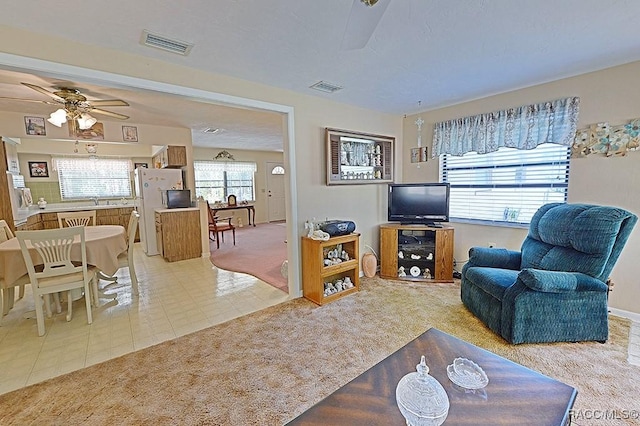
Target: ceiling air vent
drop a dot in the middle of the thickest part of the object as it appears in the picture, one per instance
(323, 86)
(165, 43)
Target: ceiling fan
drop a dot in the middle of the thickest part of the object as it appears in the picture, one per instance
(363, 20)
(74, 106)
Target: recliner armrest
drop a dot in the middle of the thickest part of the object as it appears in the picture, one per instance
(559, 282)
(494, 258)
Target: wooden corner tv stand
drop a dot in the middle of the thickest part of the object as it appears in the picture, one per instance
(416, 252)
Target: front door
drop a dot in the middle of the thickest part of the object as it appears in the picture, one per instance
(275, 192)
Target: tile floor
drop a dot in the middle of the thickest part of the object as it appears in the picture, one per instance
(175, 299)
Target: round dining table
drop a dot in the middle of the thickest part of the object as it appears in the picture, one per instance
(103, 244)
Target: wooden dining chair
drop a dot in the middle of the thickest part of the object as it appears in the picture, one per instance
(7, 292)
(217, 228)
(58, 272)
(83, 218)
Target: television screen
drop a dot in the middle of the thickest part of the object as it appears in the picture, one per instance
(419, 203)
(178, 198)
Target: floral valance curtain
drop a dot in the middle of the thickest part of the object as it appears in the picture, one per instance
(523, 127)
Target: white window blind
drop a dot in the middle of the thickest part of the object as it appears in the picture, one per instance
(216, 180)
(83, 178)
(507, 185)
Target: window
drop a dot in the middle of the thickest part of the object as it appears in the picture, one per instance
(82, 178)
(507, 185)
(216, 180)
(277, 170)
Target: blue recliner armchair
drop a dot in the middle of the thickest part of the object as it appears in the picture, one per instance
(554, 289)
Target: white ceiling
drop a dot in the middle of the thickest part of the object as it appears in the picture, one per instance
(423, 54)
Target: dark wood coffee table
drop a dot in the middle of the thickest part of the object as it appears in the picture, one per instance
(515, 394)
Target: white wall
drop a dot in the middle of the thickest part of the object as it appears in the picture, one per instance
(609, 95)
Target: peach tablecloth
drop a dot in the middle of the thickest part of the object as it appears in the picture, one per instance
(104, 243)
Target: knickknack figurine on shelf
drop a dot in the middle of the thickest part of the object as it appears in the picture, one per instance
(358, 158)
(313, 232)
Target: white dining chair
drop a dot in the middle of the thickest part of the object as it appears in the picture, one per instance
(83, 218)
(125, 259)
(7, 293)
(58, 272)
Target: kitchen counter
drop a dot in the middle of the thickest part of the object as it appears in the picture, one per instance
(24, 214)
(185, 209)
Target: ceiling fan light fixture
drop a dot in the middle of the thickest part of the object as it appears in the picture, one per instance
(86, 121)
(369, 2)
(58, 117)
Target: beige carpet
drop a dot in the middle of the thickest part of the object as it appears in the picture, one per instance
(268, 367)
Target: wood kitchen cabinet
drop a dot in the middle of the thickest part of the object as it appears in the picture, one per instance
(49, 220)
(178, 233)
(34, 223)
(104, 216)
(171, 156)
(116, 216)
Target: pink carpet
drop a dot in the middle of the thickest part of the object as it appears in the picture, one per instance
(259, 251)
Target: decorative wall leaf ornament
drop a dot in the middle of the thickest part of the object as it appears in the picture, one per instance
(603, 139)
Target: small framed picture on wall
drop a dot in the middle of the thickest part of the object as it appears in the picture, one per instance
(38, 169)
(419, 155)
(130, 133)
(34, 126)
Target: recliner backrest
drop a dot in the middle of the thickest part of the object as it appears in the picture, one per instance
(577, 238)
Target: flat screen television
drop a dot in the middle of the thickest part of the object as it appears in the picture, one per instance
(419, 203)
(178, 198)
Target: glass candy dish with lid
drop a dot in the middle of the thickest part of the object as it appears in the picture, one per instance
(468, 374)
(421, 398)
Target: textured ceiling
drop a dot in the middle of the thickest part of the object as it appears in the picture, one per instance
(428, 52)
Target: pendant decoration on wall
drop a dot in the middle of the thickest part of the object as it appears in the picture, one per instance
(601, 138)
(419, 154)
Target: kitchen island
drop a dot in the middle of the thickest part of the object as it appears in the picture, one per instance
(178, 233)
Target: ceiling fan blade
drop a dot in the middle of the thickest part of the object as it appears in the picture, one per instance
(108, 102)
(109, 113)
(362, 22)
(44, 91)
(29, 100)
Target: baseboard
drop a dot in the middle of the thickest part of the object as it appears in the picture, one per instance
(633, 316)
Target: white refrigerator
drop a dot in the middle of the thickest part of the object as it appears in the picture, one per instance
(151, 186)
